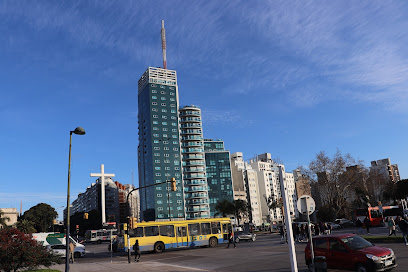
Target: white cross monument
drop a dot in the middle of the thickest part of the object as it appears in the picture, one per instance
(102, 175)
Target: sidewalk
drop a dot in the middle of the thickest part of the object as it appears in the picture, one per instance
(123, 267)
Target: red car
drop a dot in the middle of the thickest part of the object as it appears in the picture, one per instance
(350, 252)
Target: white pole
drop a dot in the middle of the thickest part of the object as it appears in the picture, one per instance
(111, 243)
(288, 219)
(103, 193)
(310, 232)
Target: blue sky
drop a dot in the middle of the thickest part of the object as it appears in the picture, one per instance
(290, 78)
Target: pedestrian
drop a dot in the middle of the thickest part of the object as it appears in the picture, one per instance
(367, 224)
(296, 232)
(282, 234)
(359, 226)
(391, 226)
(329, 228)
(317, 229)
(302, 232)
(137, 250)
(403, 225)
(231, 239)
(71, 252)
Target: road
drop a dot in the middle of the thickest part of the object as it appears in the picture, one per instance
(265, 254)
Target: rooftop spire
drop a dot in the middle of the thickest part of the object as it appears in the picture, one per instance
(163, 40)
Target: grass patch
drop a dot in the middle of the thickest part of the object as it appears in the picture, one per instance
(384, 239)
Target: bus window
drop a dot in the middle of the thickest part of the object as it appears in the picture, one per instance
(99, 233)
(393, 212)
(375, 214)
(205, 228)
(167, 230)
(194, 229)
(225, 228)
(138, 232)
(215, 227)
(152, 231)
(93, 234)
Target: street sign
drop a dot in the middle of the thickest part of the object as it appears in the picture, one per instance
(306, 204)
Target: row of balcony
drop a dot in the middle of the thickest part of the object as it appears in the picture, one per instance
(190, 119)
(187, 138)
(191, 131)
(196, 189)
(195, 182)
(196, 202)
(187, 113)
(193, 157)
(195, 216)
(198, 209)
(191, 125)
(192, 150)
(192, 144)
(193, 176)
(189, 163)
(193, 170)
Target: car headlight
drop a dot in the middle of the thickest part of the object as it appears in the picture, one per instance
(373, 257)
(392, 252)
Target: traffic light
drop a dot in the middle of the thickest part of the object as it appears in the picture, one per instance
(86, 216)
(77, 228)
(130, 222)
(173, 185)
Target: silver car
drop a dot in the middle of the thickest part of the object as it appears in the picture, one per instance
(240, 235)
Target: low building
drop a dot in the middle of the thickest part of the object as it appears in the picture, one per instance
(11, 214)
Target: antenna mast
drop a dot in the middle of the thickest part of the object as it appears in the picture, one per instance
(163, 40)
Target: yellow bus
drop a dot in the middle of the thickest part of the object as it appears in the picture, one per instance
(158, 236)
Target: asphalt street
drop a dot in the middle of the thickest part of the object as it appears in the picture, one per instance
(265, 254)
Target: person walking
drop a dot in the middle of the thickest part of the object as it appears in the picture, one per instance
(391, 226)
(137, 251)
(367, 224)
(231, 239)
(403, 225)
(71, 252)
(359, 226)
(282, 234)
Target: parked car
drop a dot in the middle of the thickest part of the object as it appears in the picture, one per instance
(60, 249)
(334, 225)
(350, 252)
(240, 235)
(344, 223)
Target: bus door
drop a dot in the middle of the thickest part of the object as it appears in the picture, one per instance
(225, 230)
(182, 236)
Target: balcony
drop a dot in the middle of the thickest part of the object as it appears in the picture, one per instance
(196, 195)
(196, 189)
(192, 150)
(196, 216)
(190, 119)
(195, 182)
(192, 144)
(193, 170)
(191, 138)
(194, 176)
(193, 163)
(189, 113)
(196, 202)
(191, 131)
(190, 125)
(193, 157)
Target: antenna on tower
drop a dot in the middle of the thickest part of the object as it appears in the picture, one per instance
(163, 40)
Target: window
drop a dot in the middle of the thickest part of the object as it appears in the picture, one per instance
(337, 246)
(156, 148)
(163, 98)
(159, 195)
(165, 129)
(158, 174)
(174, 136)
(160, 208)
(152, 231)
(155, 122)
(179, 201)
(166, 168)
(205, 228)
(165, 148)
(158, 188)
(159, 202)
(163, 92)
(154, 103)
(174, 124)
(157, 168)
(137, 232)
(164, 123)
(167, 230)
(164, 135)
(157, 161)
(320, 243)
(155, 128)
(172, 99)
(173, 111)
(163, 104)
(194, 229)
(154, 97)
(173, 117)
(175, 142)
(154, 109)
(172, 105)
(156, 141)
(154, 91)
(176, 168)
(164, 116)
(174, 130)
(215, 227)
(155, 116)
(175, 148)
(160, 216)
(164, 110)
(157, 154)
(171, 93)
(155, 135)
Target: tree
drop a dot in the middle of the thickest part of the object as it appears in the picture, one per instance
(240, 208)
(224, 207)
(272, 204)
(3, 219)
(20, 251)
(42, 215)
(25, 226)
(332, 183)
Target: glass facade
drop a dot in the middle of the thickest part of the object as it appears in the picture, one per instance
(218, 173)
(159, 146)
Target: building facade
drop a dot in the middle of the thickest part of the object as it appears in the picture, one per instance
(193, 161)
(159, 157)
(11, 214)
(219, 178)
(386, 169)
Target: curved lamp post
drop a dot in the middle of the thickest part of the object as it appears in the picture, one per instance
(78, 131)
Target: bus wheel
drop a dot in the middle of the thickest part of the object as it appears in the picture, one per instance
(213, 242)
(158, 247)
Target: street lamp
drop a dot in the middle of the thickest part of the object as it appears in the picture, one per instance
(78, 131)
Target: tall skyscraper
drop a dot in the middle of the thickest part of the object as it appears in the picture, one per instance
(159, 145)
(219, 176)
(194, 172)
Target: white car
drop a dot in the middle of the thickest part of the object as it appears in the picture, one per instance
(60, 250)
(334, 225)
